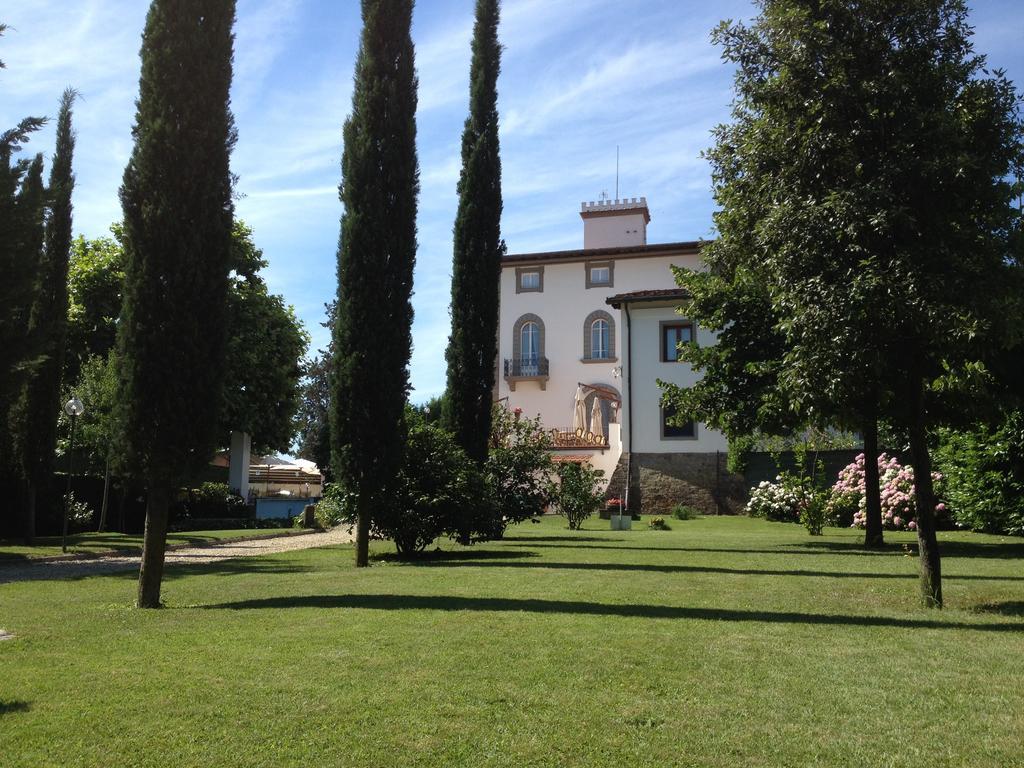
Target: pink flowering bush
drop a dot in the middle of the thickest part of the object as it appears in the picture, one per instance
(897, 490)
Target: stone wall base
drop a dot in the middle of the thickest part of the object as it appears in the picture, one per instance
(660, 481)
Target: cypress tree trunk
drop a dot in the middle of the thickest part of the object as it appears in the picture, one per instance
(363, 537)
(927, 542)
(376, 255)
(178, 219)
(476, 269)
(873, 536)
(154, 545)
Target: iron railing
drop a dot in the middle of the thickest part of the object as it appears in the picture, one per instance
(526, 367)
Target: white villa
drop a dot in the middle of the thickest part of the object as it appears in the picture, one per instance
(584, 336)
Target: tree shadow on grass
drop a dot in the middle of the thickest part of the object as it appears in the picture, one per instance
(130, 571)
(10, 707)
(964, 549)
(1007, 608)
(889, 551)
(653, 568)
(448, 555)
(967, 549)
(567, 537)
(517, 605)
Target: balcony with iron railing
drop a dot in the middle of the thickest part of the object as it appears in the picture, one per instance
(526, 369)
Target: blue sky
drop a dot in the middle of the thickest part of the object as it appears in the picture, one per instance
(579, 77)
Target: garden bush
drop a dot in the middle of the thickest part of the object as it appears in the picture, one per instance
(440, 492)
(814, 512)
(779, 501)
(896, 483)
(519, 468)
(213, 500)
(658, 524)
(683, 512)
(80, 514)
(984, 471)
(335, 507)
(579, 494)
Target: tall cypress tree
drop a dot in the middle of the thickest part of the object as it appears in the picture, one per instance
(48, 324)
(472, 346)
(20, 255)
(178, 216)
(376, 254)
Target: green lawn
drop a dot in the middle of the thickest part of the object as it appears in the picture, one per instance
(724, 642)
(100, 543)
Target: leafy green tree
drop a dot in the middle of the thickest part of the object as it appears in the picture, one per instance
(867, 187)
(266, 343)
(97, 431)
(376, 254)
(314, 412)
(95, 288)
(178, 218)
(983, 469)
(472, 347)
(40, 404)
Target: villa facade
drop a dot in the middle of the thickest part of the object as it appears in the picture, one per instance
(584, 336)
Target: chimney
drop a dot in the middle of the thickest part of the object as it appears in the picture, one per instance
(615, 223)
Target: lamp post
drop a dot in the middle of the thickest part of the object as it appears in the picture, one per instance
(73, 408)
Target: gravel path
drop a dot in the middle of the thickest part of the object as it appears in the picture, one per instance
(212, 553)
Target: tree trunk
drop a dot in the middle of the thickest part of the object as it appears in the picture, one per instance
(362, 533)
(29, 531)
(106, 498)
(873, 536)
(120, 506)
(928, 545)
(151, 571)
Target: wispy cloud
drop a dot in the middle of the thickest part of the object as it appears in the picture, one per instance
(578, 79)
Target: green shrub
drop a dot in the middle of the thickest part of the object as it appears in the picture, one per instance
(213, 500)
(983, 469)
(578, 496)
(335, 507)
(441, 492)
(814, 511)
(79, 513)
(659, 524)
(684, 512)
(519, 468)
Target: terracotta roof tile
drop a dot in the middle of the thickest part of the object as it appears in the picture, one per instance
(662, 294)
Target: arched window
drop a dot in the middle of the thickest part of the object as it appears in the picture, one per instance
(528, 347)
(598, 337)
(599, 340)
(529, 343)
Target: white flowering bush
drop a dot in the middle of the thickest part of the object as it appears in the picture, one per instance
(779, 501)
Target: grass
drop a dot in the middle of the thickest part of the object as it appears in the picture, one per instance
(101, 543)
(723, 642)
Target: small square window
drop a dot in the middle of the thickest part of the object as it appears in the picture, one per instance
(599, 274)
(529, 281)
(686, 431)
(672, 335)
